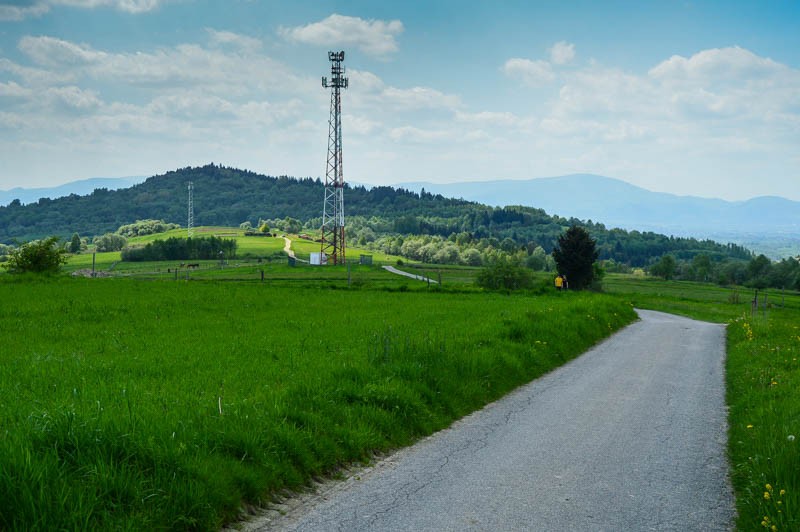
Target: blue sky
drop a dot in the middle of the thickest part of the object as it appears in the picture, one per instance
(693, 98)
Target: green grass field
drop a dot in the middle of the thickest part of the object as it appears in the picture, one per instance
(168, 405)
(763, 388)
(124, 399)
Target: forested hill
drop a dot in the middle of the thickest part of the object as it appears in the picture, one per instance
(222, 196)
(227, 196)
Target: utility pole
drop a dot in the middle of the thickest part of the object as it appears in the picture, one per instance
(190, 221)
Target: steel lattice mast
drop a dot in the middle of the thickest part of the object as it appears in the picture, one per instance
(333, 241)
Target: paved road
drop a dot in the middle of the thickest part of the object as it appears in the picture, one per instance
(394, 270)
(630, 436)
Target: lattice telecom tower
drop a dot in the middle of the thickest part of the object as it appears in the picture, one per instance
(190, 221)
(333, 243)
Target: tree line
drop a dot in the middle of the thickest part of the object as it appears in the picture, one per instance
(422, 226)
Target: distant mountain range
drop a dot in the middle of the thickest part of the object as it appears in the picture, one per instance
(81, 188)
(768, 224)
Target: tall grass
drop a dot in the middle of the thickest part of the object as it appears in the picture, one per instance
(134, 406)
(763, 389)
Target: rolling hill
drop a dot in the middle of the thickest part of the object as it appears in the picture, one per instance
(765, 224)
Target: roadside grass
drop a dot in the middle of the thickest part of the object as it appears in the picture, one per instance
(763, 388)
(154, 405)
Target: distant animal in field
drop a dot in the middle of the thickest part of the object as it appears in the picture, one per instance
(193, 266)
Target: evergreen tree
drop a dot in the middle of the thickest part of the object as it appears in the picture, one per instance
(575, 255)
(75, 243)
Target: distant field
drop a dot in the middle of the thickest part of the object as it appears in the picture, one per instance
(256, 251)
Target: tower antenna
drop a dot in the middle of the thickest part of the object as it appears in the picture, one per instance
(190, 222)
(333, 242)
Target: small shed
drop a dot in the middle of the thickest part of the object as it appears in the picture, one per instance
(319, 259)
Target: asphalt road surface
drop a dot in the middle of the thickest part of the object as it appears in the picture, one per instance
(630, 436)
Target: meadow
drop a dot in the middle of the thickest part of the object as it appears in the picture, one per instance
(762, 384)
(175, 405)
(387, 384)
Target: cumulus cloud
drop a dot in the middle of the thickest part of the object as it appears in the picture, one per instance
(222, 66)
(13, 90)
(373, 37)
(41, 7)
(49, 51)
(420, 98)
(562, 53)
(244, 42)
(368, 90)
(716, 64)
(16, 12)
(492, 119)
(532, 73)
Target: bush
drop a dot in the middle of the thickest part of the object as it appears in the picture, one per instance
(38, 256)
(109, 242)
(504, 273)
(146, 227)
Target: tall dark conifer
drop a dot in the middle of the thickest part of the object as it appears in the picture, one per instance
(575, 255)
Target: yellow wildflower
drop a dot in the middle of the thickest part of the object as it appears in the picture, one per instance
(783, 492)
(766, 495)
(769, 487)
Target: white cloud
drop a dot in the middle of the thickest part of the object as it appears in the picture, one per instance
(723, 64)
(532, 73)
(49, 51)
(13, 12)
(491, 119)
(42, 7)
(360, 125)
(418, 135)
(420, 98)
(238, 68)
(368, 90)
(221, 38)
(73, 97)
(562, 53)
(13, 90)
(374, 37)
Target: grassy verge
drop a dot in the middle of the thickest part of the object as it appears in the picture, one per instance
(138, 406)
(763, 389)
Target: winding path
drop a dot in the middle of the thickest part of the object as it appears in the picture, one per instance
(287, 248)
(392, 269)
(629, 436)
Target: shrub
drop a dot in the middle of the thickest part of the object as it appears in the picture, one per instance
(38, 256)
(504, 273)
(146, 227)
(109, 242)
